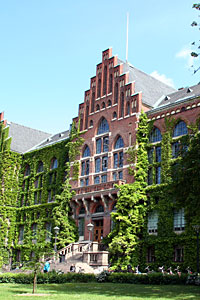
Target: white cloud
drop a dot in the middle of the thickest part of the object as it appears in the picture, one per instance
(162, 78)
(185, 53)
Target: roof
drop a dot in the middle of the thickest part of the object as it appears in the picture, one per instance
(25, 138)
(56, 138)
(183, 94)
(152, 89)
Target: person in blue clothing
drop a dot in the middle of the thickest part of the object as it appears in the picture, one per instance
(47, 266)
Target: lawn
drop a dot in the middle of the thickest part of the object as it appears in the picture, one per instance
(101, 291)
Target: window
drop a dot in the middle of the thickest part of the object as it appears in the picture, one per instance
(96, 180)
(119, 143)
(158, 154)
(48, 226)
(93, 102)
(87, 181)
(178, 254)
(40, 167)
(109, 103)
(116, 93)
(128, 108)
(27, 170)
(21, 233)
(81, 124)
(150, 176)
(150, 155)
(110, 83)
(99, 88)
(51, 195)
(103, 126)
(81, 226)
(81, 182)
(98, 146)
(155, 135)
(86, 116)
(82, 210)
(151, 254)
(179, 220)
(54, 163)
(104, 163)
(34, 229)
(99, 209)
(121, 115)
(180, 129)
(121, 159)
(105, 144)
(97, 165)
(120, 174)
(158, 175)
(103, 105)
(115, 176)
(86, 152)
(114, 115)
(35, 198)
(85, 168)
(152, 222)
(104, 178)
(97, 107)
(175, 149)
(91, 123)
(118, 160)
(105, 81)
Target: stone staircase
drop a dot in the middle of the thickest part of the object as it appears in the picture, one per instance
(86, 257)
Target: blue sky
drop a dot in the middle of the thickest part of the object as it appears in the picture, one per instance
(49, 50)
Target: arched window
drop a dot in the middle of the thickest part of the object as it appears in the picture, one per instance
(40, 167)
(116, 93)
(114, 115)
(54, 163)
(105, 81)
(103, 105)
(99, 209)
(97, 107)
(82, 210)
(109, 103)
(27, 170)
(86, 152)
(99, 88)
(86, 116)
(103, 126)
(180, 129)
(121, 105)
(93, 101)
(119, 143)
(128, 108)
(110, 83)
(91, 123)
(155, 135)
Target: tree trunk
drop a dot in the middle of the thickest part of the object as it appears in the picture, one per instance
(34, 281)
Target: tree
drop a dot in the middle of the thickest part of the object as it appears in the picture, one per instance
(196, 53)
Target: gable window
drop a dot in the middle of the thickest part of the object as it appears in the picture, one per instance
(105, 81)
(155, 135)
(179, 220)
(152, 222)
(180, 129)
(116, 93)
(110, 83)
(121, 105)
(93, 102)
(99, 88)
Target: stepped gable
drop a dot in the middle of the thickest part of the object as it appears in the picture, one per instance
(25, 138)
(56, 138)
(181, 95)
(152, 89)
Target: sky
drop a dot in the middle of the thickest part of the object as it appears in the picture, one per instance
(49, 50)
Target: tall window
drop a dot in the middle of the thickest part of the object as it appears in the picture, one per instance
(93, 102)
(97, 165)
(158, 154)
(104, 163)
(81, 226)
(116, 93)
(128, 108)
(85, 168)
(99, 88)
(110, 83)
(152, 222)
(158, 175)
(180, 129)
(121, 105)
(103, 126)
(150, 176)
(48, 227)
(155, 135)
(40, 167)
(179, 254)
(119, 143)
(21, 233)
(27, 170)
(151, 254)
(105, 81)
(86, 116)
(175, 149)
(179, 220)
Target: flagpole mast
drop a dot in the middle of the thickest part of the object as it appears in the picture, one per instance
(127, 37)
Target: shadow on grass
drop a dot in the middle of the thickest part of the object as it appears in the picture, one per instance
(115, 290)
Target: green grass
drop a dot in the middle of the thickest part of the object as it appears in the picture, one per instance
(101, 291)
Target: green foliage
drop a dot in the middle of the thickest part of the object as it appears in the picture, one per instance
(131, 207)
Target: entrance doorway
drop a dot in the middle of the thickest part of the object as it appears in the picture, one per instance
(98, 230)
